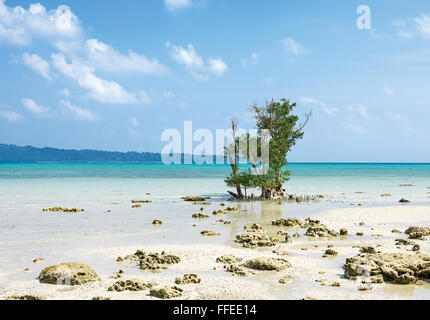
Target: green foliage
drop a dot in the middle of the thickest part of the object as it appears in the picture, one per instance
(280, 122)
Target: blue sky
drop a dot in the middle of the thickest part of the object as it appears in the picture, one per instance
(113, 75)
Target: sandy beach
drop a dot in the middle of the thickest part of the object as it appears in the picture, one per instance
(311, 274)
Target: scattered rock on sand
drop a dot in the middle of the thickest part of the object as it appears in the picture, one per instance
(267, 264)
(61, 209)
(370, 250)
(285, 280)
(398, 267)
(254, 227)
(152, 261)
(208, 233)
(255, 239)
(166, 293)
(26, 297)
(343, 232)
(195, 198)
(100, 298)
(321, 231)
(219, 212)
(200, 216)
(228, 259)
(72, 273)
(417, 232)
(131, 285)
(38, 260)
(187, 279)
(404, 201)
(232, 209)
(330, 252)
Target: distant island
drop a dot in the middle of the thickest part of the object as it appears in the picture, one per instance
(17, 154)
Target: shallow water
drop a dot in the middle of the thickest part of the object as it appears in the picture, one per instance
(25, 189)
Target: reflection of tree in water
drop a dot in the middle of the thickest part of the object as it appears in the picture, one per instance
(261, 212)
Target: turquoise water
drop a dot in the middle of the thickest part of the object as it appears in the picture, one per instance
(160, 171)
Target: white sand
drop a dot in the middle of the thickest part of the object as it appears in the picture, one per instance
(307, 265)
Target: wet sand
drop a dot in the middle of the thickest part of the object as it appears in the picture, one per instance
(311, 274)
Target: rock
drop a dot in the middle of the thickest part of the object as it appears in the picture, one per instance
(200, 216)
(219, 212)
(343, 232)
(385, 195)
(61, 209)
(365, 288)
(267, 264)
(166, 293)
(416, 247)
(398, 267)
(38, 260)
(288, 238)
(195, 198)
(255, 239)
(321, 231)
(361, 224)
(72, 273)
(131, 285)
(27, 270)
(232, 209)
(280, 253)
(228, 259)
(157, 222)
(285, 280)
(254, 227)
(406, 185)
(308, 298)
(290, 222)
(369, 250)
(154, 261)
(330, 252)
(100, 298)
(404, 201)
(335, 284)
(136, 206)
(208, 233)
(296, 235)
(237, 270)
(187, 279)
(396, 231)
(141, 201)
(26, 297)
(119, 259)
(360, 234)
(417, 232)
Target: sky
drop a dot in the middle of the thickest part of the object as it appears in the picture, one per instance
(113, 75)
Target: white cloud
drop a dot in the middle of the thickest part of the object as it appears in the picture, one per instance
(389, 91)
(324, 107)
(194, 64)
(10, 116)
(20, 26)
(177, 4)
(80, 113)
(107, 59)
(36, 63)
(253, 60)
(293, 48)
(353, 127)
(33, 107)
(217, 66)
(101, 90)
(410, 28)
